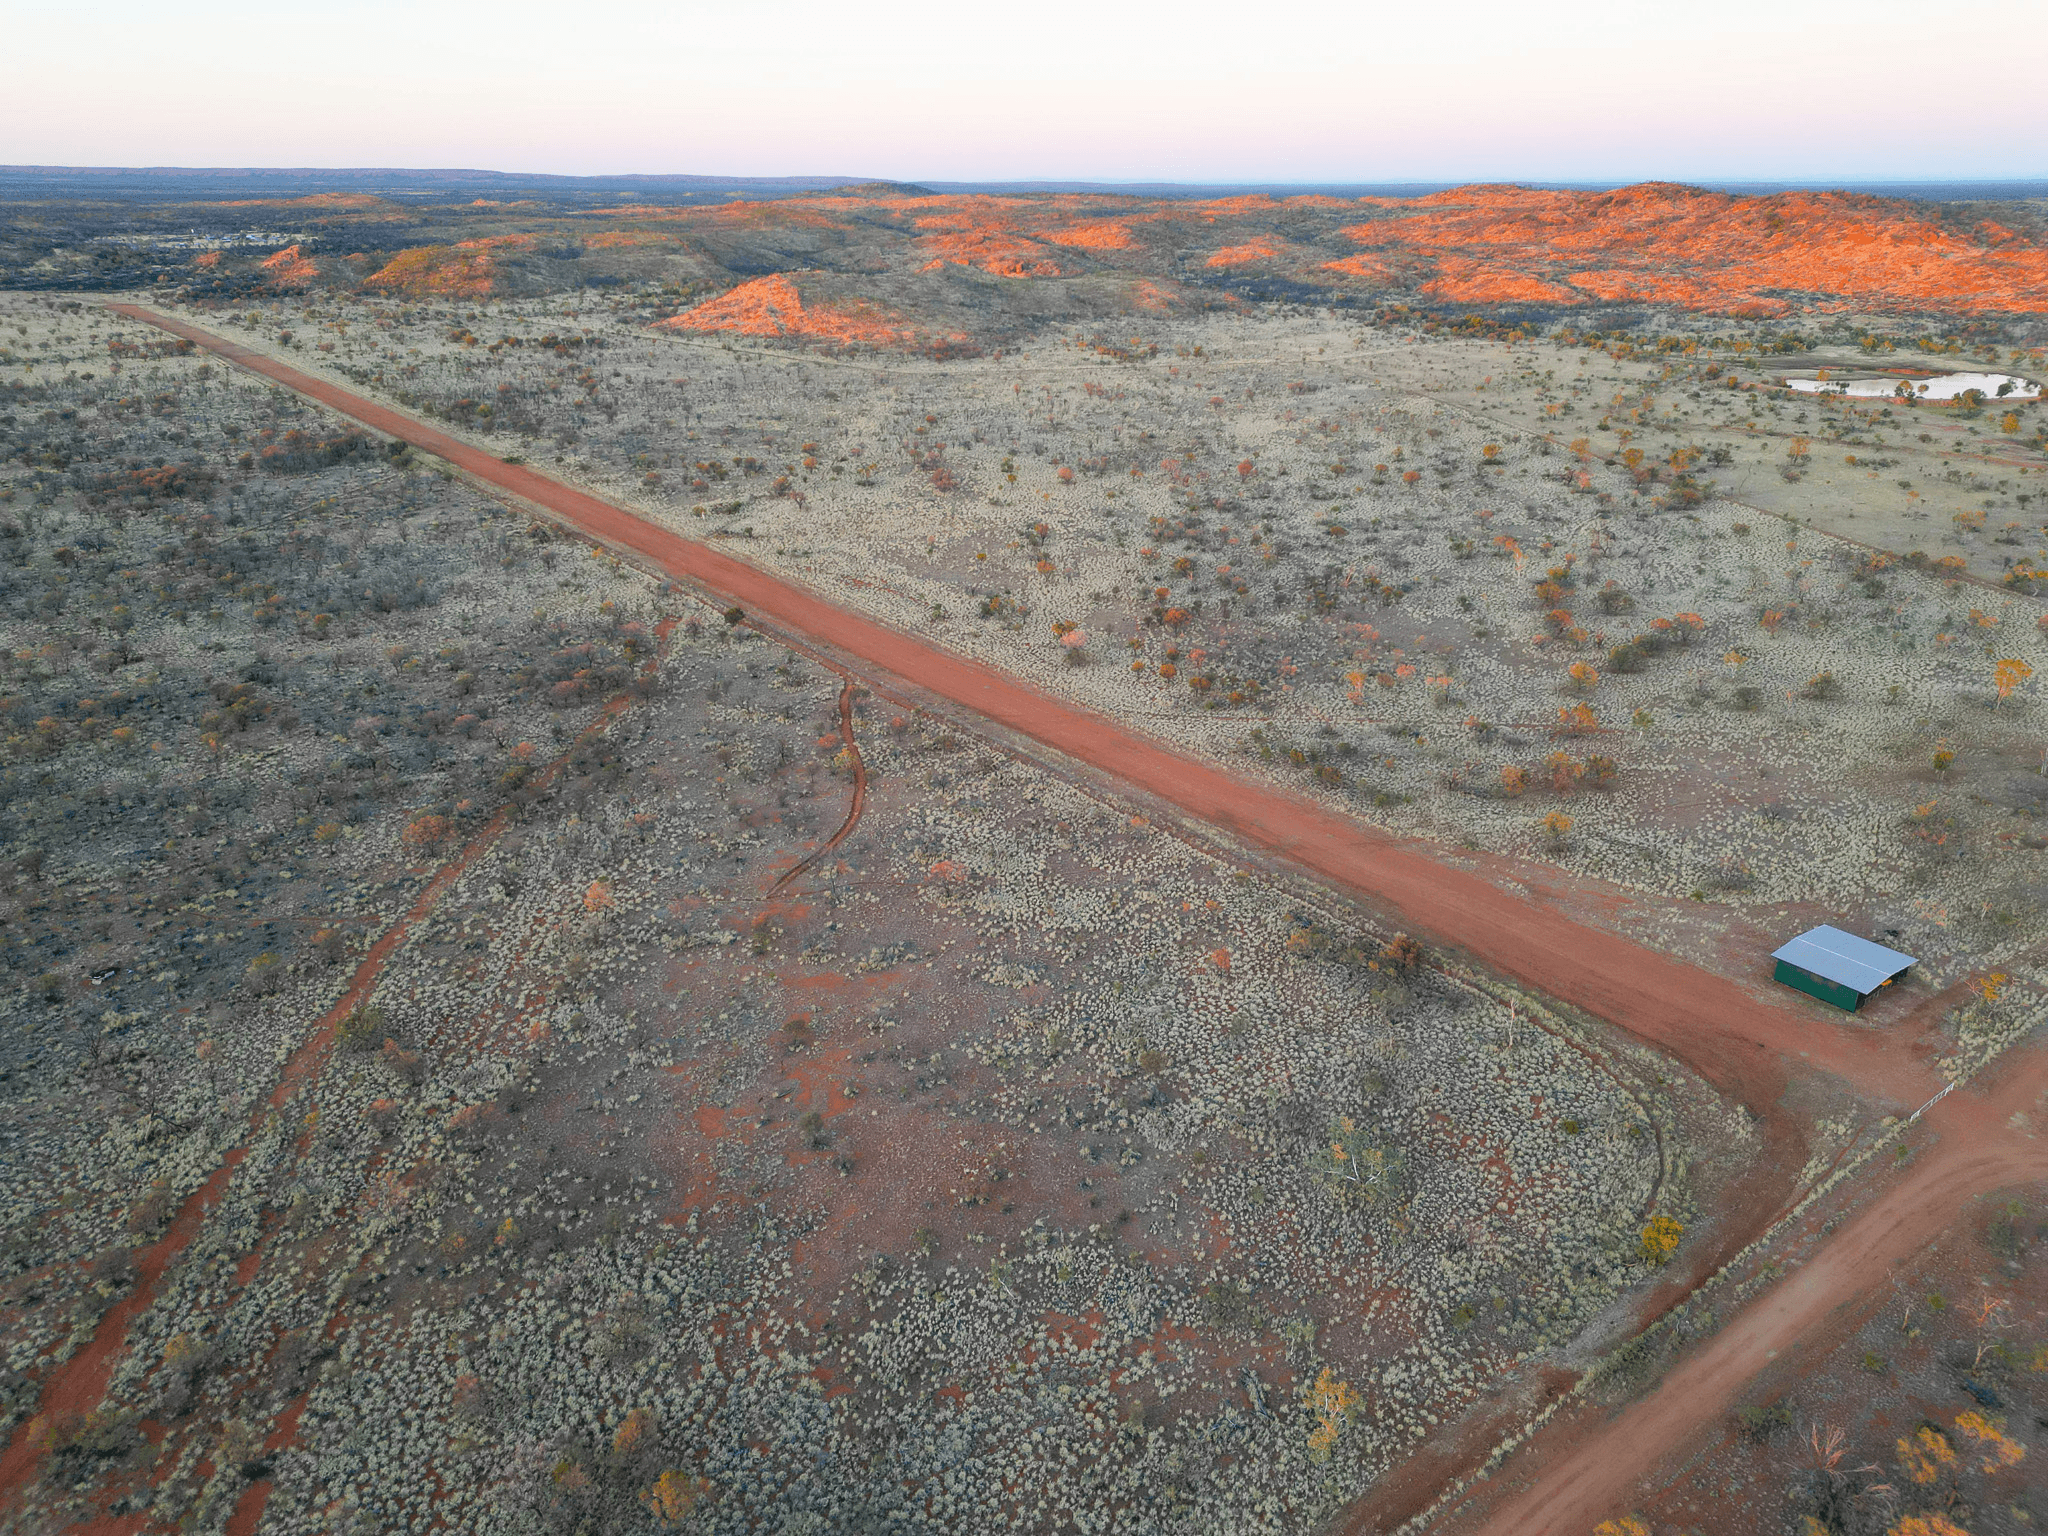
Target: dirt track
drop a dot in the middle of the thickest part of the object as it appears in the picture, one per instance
(1745, 1047)
(1987, 1141)
(78, 1386)
(860, 782)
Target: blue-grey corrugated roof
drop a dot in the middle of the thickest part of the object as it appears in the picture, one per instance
(1843, 957)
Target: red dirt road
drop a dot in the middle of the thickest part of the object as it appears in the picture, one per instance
(1988, 1141)
(1712, 1024)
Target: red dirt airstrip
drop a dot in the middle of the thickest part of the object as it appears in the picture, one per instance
(1746, 1047)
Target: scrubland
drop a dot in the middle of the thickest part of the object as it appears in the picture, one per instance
(1020, 1162)
(1648, 641)
(1918, 1412)
(497, 1040)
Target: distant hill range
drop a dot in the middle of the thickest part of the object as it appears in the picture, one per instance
(177, 183)
(951, 267)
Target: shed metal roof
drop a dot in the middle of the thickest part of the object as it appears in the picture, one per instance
(1843, 957)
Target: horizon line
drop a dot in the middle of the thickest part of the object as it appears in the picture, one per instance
(827, 179)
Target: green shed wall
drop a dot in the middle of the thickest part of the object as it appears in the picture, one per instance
(1819, 986)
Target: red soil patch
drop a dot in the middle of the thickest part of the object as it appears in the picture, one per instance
(248, 1515)
(823, 1076)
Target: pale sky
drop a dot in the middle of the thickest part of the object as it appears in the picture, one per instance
(1771, 90)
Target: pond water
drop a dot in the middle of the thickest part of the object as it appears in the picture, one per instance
(1947, 386)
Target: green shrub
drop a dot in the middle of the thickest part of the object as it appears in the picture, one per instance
(361, 1029)
(1760, 1423)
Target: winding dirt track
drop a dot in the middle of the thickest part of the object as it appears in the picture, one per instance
(1743, 1046)
(860, 785)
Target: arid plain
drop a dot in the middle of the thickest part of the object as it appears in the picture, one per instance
(570, 1046)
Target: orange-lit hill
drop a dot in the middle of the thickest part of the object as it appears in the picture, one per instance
(774, 306)
(289, 268)
(1673, 245)
(1657, 244)
(358, 204)
(891, 267)
(1244, 255)
(467, 269)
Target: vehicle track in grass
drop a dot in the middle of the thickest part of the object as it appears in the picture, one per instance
(1748, 1048)
(77, 1387)
(860, 779)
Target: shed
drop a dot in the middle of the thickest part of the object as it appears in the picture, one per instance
(1838, 967)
